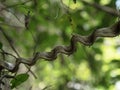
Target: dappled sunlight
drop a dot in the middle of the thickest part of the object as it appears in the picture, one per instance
(110, 52)
(104, 2)
(86, 74)
(59, 45)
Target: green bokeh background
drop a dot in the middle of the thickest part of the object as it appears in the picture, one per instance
(52, 23)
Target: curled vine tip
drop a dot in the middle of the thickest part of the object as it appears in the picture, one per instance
(87, 40)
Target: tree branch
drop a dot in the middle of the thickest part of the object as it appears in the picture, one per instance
(106, 9)
(88, 40)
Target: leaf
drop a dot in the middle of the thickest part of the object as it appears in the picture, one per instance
(1, 45)
(1, 19)
(74, 1)
(19, 79)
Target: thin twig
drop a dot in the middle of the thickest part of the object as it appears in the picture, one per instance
(15, 16)
(14, 5)
(9, 41)
(106, 9)
(3, 52)
(29, 70)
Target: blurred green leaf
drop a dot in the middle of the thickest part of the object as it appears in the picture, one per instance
(19, 79)
(1, 19)
(115, 79)
(115, 63)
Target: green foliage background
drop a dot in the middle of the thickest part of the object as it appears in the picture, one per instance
(52, 23)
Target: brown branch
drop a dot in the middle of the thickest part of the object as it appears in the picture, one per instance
(6, 53)
(88, 40)
(106, 9)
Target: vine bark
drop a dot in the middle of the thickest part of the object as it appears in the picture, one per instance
(111, 31)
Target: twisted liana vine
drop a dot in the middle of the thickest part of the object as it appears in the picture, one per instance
(88, 40)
